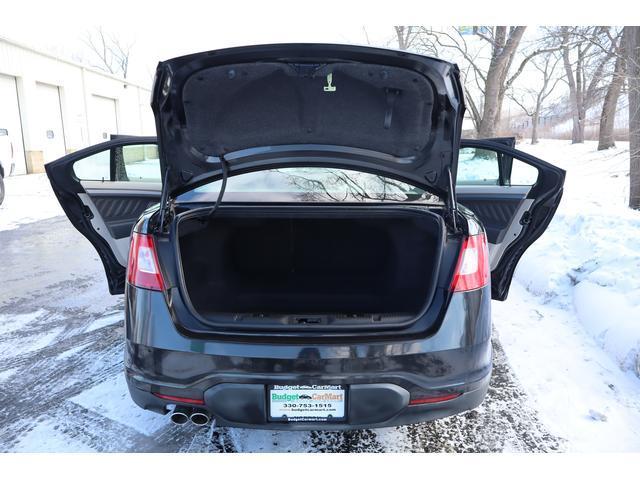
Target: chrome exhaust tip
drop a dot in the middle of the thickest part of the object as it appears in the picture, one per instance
(180, 415)
(199, 417)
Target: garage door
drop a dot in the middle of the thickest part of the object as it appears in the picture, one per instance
(103, 118)
(10, 122)
(50, 128)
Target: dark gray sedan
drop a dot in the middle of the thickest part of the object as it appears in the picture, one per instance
(308, 243)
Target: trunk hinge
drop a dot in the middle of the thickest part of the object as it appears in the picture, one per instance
(452, 204)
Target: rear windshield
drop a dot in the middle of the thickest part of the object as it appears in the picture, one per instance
(310, 184)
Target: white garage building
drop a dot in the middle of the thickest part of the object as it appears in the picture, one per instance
(51, 106)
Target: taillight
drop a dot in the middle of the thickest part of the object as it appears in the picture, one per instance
(143, 269)
(472, 271)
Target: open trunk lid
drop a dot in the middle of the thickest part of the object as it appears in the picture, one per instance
(257, 107)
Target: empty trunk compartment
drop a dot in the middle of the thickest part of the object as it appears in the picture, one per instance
(313, 266)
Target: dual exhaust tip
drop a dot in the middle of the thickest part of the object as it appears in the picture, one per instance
(181, 415)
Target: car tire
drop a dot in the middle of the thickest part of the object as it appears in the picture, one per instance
(1, 189)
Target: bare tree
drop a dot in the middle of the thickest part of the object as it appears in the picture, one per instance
(493, 80)
(632, 50)
(504, 46)
(584, 66)
(109, 53)
(610, 104)
(490, 79)
(532, 100)
(406, 36)
(366, 35)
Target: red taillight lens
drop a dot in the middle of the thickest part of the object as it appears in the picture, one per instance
(472, 271)
(143, 269)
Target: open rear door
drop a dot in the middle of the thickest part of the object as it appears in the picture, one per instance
(515, 196)
(104, 189)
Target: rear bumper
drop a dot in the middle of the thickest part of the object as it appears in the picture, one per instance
(369, 404)
(232, 377)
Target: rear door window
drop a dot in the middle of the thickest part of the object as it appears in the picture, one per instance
(477, 166)
(131, 163)
(140, 163)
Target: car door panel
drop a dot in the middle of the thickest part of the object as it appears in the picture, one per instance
(104, 211)
(494, 205)
(120, 214)
(121, 207)
(513, 216)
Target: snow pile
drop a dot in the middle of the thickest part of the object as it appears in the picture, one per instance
(589, 258)
(28, 198)
(614, 323)
(571, 325)
(579, 391)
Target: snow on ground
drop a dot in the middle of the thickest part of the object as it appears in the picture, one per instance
(11, 323)
(111, 399)
(72, 351)
(7, 374)
(571, 325)
(104, 321)
(38, 337)
(28, 198)
(589, 258)
(47, 437)
(580, 393)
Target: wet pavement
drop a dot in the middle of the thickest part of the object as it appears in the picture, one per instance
(62, 385)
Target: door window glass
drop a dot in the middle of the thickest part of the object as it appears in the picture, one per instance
(139, 163)
(94, 167)
(132, 163)
(477, 166)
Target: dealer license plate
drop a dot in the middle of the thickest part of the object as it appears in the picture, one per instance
(307, 403)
